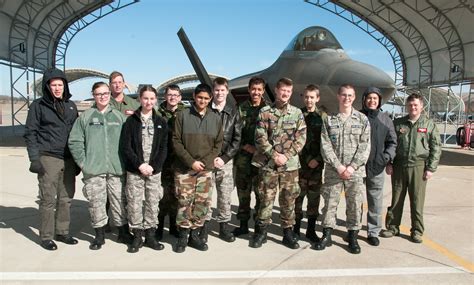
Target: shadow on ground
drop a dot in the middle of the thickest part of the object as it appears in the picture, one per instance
(457, 157)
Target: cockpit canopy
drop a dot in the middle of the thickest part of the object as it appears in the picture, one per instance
(314, 39)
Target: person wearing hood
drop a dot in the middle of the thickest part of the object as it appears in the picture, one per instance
(50, 119)
(382, 151)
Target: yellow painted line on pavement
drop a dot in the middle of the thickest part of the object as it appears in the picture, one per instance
(439, 248)
(433, 245)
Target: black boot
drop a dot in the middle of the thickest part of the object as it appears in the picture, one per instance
(296, 227)
(354, 247)
(224, 233)
(195, 241)
(289, 239)
(137, 241)
(173, 227)
(159, 229)
(325, 240)
(259, 237)
(182, 240)
(204, 232)
(124, 235)
(243, 229)
(311, 231)
(151, 241)
(99, 239)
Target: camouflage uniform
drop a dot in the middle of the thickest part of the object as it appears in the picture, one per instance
(193, 194)
(310, 178)
(96, 190)
(223, 184)
(344, 142)
(282, 130)
(169, 203)
(144, 214)
(245, 174)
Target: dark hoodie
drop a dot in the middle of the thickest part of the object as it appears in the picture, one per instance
(382, 136)
(50, 120)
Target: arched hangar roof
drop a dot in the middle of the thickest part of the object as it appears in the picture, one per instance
(183, 79)
(76, 74)
(36, 33)
(433, 38)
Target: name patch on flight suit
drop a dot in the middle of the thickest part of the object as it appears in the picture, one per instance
(422, 130)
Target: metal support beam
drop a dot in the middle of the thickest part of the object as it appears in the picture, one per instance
(62, 44)
(46, 46)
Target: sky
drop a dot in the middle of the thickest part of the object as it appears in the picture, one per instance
(232, 38)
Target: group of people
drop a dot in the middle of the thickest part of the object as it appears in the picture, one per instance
(142, 162)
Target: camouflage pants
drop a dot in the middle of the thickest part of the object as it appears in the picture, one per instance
(331, 192)
(223, 184)
(311, 188)
(96, 190)
(246, 181)
(143, 195)
(193, 194)
(271, 182)
(169, 203)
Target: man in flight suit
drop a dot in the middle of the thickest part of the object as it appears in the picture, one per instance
(416, 159)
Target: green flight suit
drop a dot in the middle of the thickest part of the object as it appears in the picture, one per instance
(418, 150)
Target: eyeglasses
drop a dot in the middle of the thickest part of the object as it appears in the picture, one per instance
(105, 94)
(172, 95)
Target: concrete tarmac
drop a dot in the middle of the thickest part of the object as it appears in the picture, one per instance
(446, 255)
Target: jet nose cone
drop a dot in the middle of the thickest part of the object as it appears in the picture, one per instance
(361, 76)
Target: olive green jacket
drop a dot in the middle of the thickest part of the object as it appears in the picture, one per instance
(94, 142)
(127, 106)
(419, 143)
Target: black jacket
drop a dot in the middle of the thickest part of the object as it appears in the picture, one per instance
(383, 138)
(232, 127)
(131, 148)
(50, 120)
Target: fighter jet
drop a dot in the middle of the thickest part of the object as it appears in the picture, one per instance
(314, 56)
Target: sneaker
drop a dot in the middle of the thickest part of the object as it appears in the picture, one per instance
(374, 241)
(416, 238)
